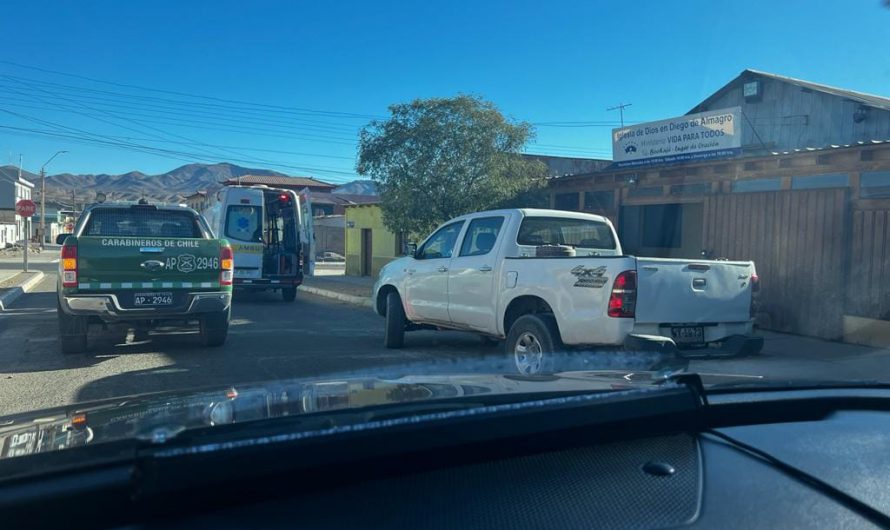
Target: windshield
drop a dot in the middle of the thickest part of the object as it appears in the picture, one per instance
(298, 207)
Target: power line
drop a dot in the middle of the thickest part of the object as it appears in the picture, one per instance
(185, 108)
(197, 96)
(171, 120)
(190, 156)
(254, 131)
(124, 126)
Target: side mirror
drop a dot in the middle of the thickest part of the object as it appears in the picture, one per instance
(60, 239)
(411, 249)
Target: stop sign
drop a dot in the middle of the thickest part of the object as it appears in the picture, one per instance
(25, 208)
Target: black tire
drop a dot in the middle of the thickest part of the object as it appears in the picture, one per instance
(532, 341)
(72, 331)
(394, 333)
(214, 327)
(289, 294)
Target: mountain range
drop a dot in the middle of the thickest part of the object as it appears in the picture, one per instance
(168, 187)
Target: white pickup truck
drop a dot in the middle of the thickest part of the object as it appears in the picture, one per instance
(544, 279)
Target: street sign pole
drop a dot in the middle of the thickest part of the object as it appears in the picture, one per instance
(25, 253)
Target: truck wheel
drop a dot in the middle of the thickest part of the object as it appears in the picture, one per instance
(289, 294)
(72, 331)
(394, 334)
(531, 341)
(214, 327)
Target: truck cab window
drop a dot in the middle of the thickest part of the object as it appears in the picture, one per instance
(579, 233)
(481, 236)
(133, 222)
(441, 244)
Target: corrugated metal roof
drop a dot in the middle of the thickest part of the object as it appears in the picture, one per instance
(869, 100)
(278, 181)
(833, 146)
(725, 160)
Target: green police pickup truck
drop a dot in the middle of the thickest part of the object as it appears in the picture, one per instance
(143, 264)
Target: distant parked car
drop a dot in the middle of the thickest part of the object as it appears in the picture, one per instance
(330, 256)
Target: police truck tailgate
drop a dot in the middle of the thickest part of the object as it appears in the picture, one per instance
(112, 263)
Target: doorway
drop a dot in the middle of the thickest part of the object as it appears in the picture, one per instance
(366, 252)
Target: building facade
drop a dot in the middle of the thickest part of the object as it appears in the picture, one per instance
(330, 234)
(815, 217)
(13, 188)
(369, 244)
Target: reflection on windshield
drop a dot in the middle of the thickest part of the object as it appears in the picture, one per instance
(346, 217)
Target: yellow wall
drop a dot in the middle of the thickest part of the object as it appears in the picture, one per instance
(383, 242)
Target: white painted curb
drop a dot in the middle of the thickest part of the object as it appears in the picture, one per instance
(18, 291)
(363, 301)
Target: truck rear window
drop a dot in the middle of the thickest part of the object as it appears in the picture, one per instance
(579, 233)
(142, 222)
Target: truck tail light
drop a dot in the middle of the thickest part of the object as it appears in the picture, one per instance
(623, 300)
(227, 265)
(68, 266)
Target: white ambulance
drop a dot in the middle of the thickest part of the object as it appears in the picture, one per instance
(271, 234)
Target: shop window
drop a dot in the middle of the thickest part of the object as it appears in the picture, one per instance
(874, 185)
(831, 180)
(567, 201)
(745, 186)
(662, 225)
(599, 201)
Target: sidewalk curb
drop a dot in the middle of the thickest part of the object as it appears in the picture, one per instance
(363, 301)
(19, 290)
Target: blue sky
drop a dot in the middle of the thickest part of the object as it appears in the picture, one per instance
(314, 73)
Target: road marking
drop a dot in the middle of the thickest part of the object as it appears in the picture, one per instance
(55, 260)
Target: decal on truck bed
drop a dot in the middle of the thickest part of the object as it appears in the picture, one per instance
(590, 276)
(161, 243)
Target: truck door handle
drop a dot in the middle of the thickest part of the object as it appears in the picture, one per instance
(152, 265)
(485, 268)
(443, 268)
(410, 271)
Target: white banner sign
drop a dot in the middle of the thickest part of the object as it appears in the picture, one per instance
(702, 136)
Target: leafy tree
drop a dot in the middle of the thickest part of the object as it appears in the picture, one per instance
(434, 159)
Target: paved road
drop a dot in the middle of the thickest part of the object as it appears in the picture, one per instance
(270, 339)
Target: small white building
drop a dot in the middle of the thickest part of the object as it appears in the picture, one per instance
(13, 188)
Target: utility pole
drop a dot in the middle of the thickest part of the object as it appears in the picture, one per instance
(43, 198)
(24, 221)
(620, 108)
